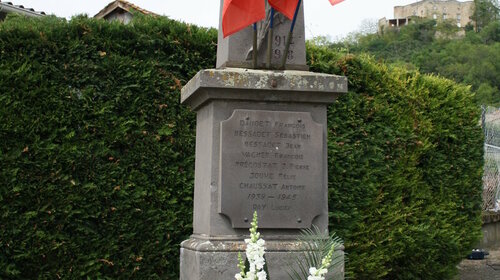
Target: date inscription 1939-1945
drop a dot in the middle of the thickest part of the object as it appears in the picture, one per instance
(271, 162)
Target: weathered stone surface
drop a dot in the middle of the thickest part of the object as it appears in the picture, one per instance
(236, 50)
(209, 260)
(271, 162)
(215, 95)
(262, 86)
(218, 96)
(206, 218)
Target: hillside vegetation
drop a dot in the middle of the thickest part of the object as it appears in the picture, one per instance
(435, 48)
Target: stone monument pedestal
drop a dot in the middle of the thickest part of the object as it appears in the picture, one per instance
(260, 146)
(218, 259)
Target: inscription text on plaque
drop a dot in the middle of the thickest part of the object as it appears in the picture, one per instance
(271, 162)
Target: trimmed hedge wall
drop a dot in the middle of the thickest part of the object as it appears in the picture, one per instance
(405, 159)
(97, 155)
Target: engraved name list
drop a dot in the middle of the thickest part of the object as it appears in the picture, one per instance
(271, 162)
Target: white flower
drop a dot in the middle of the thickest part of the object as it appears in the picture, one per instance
(261, 242)
(259, 263)
(262, 275)
(255, 255)
(325, 262)
(318, 274)
(315, 278)
(313, 271)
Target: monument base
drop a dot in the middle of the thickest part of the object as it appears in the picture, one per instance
(261, 145)
(205, 259)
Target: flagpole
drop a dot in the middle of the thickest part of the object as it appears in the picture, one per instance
(290, 34)
(270, 40)
(254, 57)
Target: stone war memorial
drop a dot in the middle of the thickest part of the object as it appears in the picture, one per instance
(260, 146)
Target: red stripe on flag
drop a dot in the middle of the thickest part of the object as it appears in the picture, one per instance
(286, 7)
(238, 14)
(335, 2)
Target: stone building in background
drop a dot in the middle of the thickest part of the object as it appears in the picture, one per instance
(441, 10)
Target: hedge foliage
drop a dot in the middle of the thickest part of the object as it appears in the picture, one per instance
(97, 155)
(405, 160)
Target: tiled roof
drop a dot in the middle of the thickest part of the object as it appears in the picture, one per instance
(125, 5)
(9, 7)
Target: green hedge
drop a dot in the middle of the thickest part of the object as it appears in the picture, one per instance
(405, 160)
(97, 155)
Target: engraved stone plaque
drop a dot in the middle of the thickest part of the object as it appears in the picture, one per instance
(271, 162)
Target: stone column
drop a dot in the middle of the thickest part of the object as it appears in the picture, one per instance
(236, 50)
(260, 146)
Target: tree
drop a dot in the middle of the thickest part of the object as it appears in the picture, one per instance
(368, 26)
(485, 12)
